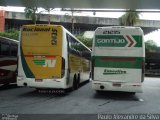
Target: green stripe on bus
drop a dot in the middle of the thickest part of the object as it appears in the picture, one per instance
(117, 41)
(139, 40)
(39, 62)
(118, 62)
(26, 69)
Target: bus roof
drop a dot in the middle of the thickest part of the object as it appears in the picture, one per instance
(122, 30)
(120, 27)
(12, 40)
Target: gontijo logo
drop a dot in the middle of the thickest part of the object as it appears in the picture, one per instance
(115, 41)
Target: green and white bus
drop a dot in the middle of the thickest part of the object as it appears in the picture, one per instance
(118, 55)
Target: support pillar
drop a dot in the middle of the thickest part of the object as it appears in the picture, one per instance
(2, 20)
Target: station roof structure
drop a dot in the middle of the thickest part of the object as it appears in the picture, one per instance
(141, 5)
(101, 4)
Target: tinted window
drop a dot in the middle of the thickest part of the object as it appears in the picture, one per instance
(74, 46)
(77, 48)
(14, 50)
(5, 49)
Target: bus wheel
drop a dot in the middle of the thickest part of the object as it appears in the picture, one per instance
(98, 91)
(90, 75)
(75, 83)
(78, 80)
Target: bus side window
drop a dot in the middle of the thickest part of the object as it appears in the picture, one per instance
(72, 45)
(69, 43)
(14, 50)
(77, 48)
(5, 49)
(86, 55)
(0, 48)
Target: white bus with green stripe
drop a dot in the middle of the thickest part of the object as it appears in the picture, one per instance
(118, 55)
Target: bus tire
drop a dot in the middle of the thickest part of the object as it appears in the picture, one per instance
(75, 83)
(90, 76)
(98, 91)
(78, 80)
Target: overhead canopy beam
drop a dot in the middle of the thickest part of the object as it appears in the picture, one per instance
(110, 10)
(109, 4)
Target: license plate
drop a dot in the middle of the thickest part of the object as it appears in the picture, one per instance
(38, 80)
(116, 84)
